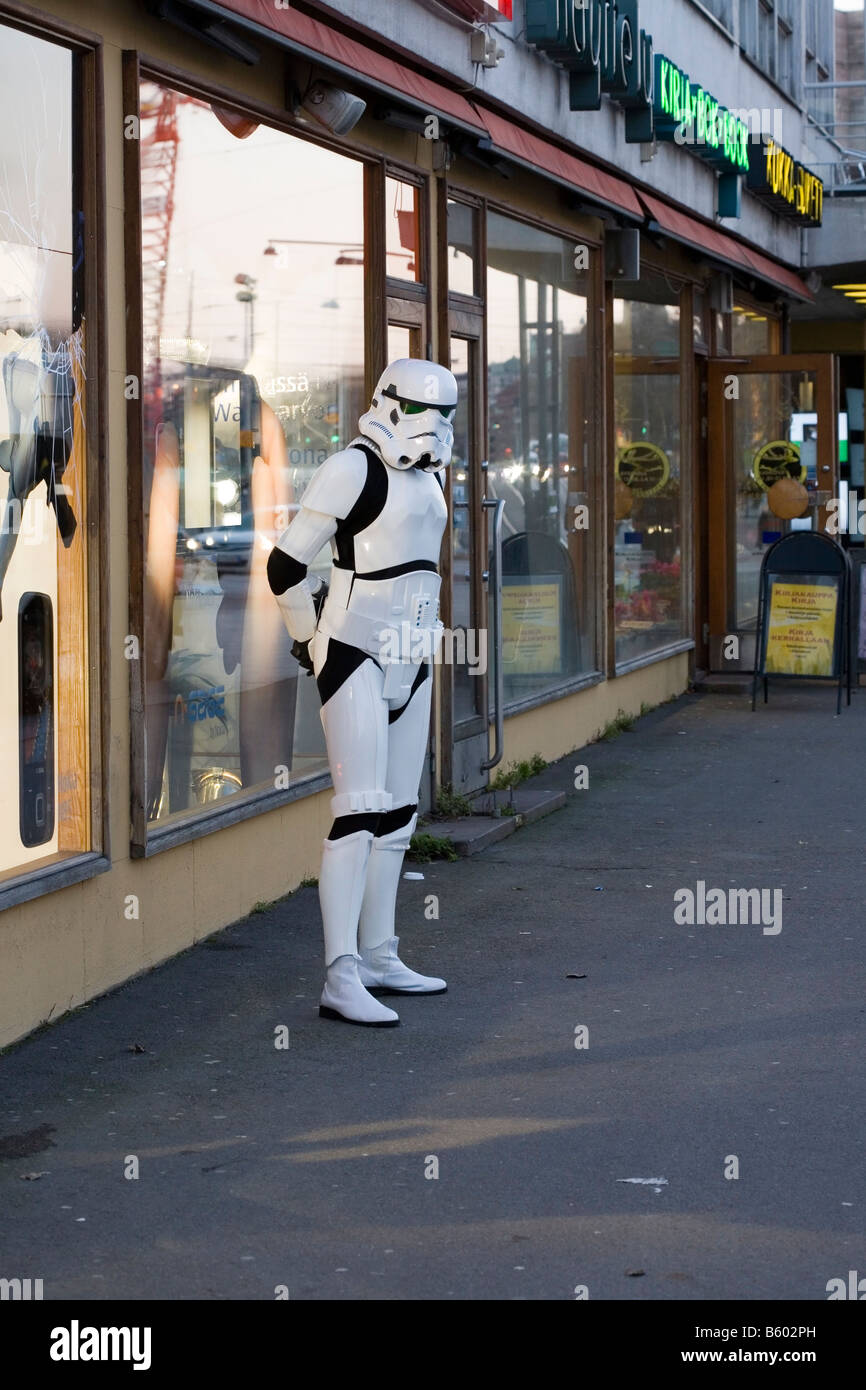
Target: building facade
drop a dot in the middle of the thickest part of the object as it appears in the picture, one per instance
(219, 222)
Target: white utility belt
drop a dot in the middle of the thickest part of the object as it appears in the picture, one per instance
(400, 641)
(405, 632)
(394, 619)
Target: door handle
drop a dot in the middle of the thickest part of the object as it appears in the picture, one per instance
(497, 506)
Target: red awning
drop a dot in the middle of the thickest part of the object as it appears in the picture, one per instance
(722, 247)
(325, 45)
(537, 153)
(321, 43)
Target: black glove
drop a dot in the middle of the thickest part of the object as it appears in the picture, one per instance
(319, 599)
(301, 653)
(301, 650)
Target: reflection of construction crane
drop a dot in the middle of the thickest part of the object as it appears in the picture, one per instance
(158, 153)
(159, 141)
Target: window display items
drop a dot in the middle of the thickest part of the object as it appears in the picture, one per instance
(39, 399)
(370, 637)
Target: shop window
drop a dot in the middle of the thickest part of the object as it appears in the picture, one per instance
(253, 294)
(699, 318)
(402, 230)
(649, 612)
(749, 27)
(751, 333)
(400, 342)
(541, 393)
(722, 10)
(722, 334)
(462, 249)
(45, 767)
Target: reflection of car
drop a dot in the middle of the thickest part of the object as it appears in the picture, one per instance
(562, 455)
(230, 547)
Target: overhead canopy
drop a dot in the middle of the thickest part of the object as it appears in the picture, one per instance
(322, 44)
(721, 247)
(534, 152)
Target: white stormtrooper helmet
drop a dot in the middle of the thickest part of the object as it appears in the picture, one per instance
(410, 418)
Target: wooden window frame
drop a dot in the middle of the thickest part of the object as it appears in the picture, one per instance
(147, 840)
(600, 496)
(684, 364)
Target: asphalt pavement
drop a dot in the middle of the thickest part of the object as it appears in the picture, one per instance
(607, 1102)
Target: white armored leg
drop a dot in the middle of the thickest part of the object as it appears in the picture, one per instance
(383, 879)
(355, 727)
(380, 967)
(341, 889)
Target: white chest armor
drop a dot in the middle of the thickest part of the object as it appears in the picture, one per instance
(384, 594)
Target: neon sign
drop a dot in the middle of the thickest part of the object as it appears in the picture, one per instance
(688, 114)
(785, 183)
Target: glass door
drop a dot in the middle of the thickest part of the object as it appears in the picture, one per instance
(772, 469)
(465, 677)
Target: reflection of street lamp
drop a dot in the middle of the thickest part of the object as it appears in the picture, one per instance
(247, 296)
(345, 257)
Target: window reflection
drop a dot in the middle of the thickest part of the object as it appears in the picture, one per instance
(751, 333)
(649, 605)
(254, 364)
(44, 735)
(462, 248)
(540, 448)
(402, 230)
(464, 490)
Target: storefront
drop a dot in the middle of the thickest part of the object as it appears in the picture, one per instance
(201, 283)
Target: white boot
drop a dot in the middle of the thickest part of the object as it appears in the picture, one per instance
(381, 969)
(341, 891)
(345, 998)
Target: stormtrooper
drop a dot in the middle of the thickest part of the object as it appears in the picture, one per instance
(370, 637)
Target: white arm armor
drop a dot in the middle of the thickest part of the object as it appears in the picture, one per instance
(333, 491)
(301, 542)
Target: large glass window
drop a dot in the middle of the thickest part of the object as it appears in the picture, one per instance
(402, 230)
(462, 248)
(649, 611)
(541, 432)
(45, 773)
(723, 11)
(750, 332)
(254, 367)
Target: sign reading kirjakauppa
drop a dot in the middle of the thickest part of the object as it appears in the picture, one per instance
(802, 629)
(602, 46)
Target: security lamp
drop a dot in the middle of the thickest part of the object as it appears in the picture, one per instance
(335, 109)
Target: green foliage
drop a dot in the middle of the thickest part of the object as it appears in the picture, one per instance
(311, 882)
(622, 724)
(425, 847)
(518, 772)
(260, 907)
(452, 804)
